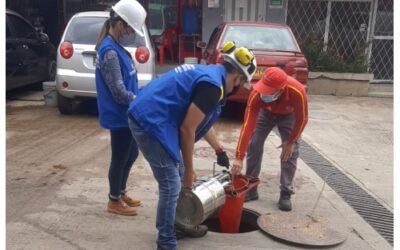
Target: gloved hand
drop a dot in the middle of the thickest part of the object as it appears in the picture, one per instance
(222, 159)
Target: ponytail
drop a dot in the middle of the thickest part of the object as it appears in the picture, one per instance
(103, 32)
(110, 22)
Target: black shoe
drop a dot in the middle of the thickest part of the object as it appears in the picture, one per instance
(284, 201)
(182, 231)
(251, 195)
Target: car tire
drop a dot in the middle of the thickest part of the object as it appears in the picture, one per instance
(66, 105)
(52, 69)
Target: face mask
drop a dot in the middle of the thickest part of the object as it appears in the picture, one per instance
(125, 39)
(234, 90)
(271, 98)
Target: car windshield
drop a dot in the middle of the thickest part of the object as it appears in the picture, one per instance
(86, 30)
(261, 38)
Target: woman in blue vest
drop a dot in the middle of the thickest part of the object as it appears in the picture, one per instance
(117, 87)
(181, 106)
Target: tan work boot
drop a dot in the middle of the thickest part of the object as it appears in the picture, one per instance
(119, 207)
(132, 202)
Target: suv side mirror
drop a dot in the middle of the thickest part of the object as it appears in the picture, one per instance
(201, 44)
(43, 37)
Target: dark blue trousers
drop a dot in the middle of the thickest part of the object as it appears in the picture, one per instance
(124, 152)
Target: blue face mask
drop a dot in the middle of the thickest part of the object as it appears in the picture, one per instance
(267, 98)
(271, 98)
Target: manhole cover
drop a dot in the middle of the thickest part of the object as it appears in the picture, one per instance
(300, 229)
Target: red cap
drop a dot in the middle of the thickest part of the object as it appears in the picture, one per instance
(274, 79)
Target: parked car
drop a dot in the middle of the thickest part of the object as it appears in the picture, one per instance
(30, 57)
(76, 59)
(272, 44)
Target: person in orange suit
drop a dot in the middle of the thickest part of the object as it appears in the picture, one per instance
(276, 100)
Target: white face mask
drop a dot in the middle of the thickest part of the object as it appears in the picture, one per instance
(271, 98)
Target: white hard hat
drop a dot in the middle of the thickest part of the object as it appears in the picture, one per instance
(132, 12)
(241, 58)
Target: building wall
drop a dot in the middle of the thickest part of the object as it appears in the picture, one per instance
(276, 13)
(211, 18)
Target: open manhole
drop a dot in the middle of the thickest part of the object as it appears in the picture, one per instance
(247, 224)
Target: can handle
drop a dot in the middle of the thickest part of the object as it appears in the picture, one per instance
(232, 190)
(253, 181)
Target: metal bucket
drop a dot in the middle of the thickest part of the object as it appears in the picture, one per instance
(196, 205)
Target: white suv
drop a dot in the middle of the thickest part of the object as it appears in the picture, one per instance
(76, 59)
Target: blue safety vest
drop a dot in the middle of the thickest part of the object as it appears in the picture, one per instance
(113, 115)
(161, 106)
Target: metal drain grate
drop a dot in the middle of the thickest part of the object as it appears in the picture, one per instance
(380, 218)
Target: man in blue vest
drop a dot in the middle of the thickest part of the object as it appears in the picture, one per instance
(170, 114)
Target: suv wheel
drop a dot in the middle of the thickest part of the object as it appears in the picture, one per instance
(66, 105)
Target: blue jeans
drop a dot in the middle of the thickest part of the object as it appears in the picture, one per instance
(166, 172)
(124, 152)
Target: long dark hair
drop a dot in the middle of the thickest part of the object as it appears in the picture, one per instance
(110, 22)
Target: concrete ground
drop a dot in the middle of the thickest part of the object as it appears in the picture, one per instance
(57, 185)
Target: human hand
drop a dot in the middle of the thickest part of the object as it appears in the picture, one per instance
(237, 166)
(222, 159)
(287, 150)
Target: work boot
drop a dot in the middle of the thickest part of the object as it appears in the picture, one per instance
(284, 201)
(132, 202)
(182, 231)
(252, 194)
(120, 207)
